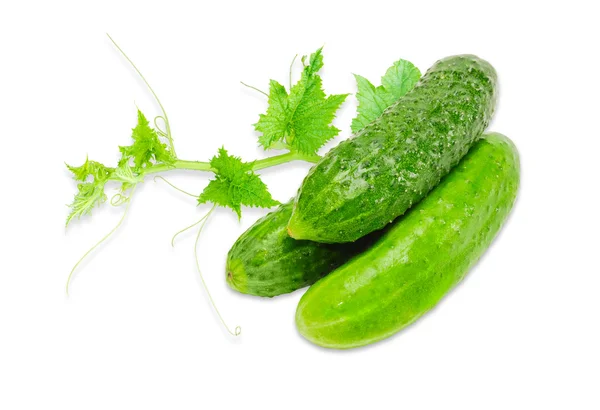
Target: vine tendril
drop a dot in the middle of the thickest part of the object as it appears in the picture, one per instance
(166, 119)
(118, 199)
(159, 130)
(255, 89)
(292, 66)
(173, 186)
(187, 228)
(128, 200)
(237, 330)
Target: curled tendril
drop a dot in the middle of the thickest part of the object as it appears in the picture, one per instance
(159, 130)
(118, 199)
(128, 200)
(173, 186)
(237, 330)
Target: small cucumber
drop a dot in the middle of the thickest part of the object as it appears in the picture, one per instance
(367, 181)
(265, 261)
(422, 256)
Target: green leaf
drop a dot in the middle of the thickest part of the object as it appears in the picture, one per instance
(147, 148)
(302, 119)
(273, 125)
(235, 184)
(399, 79)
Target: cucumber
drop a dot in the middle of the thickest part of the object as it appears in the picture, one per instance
(367, 181)
(420, 258)
(265, 261)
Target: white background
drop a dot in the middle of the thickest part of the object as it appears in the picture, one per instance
(521, 332)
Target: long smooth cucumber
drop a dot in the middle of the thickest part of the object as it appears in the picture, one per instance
(421, 257)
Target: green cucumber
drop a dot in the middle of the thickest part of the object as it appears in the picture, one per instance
(367, 181)
(265, 261)
(421, 257)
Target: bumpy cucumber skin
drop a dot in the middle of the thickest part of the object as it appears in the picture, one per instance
(367, 181)
(265, 261)
(422, 256)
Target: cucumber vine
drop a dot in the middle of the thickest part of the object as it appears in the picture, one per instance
(298, 121)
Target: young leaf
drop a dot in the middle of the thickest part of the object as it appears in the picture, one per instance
(126, 176)
(90, 191)
(399, 79)
(89, 196)
(235, 184)
(302, 119)
(147, 148)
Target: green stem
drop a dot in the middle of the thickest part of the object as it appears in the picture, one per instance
(259, 164)
(179, 164)
(283, 158)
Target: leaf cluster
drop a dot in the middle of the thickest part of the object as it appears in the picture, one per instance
(146, 150)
